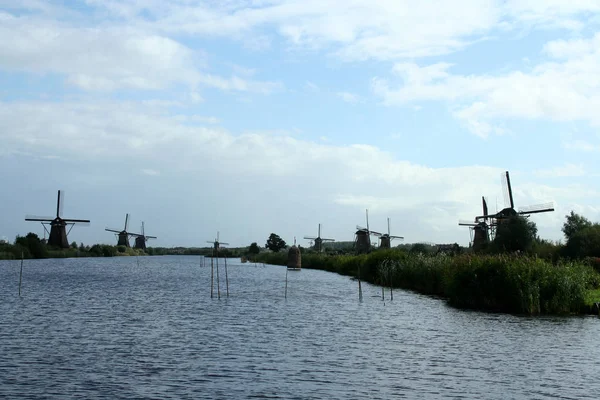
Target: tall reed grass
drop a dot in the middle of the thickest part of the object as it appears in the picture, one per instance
(502, 283)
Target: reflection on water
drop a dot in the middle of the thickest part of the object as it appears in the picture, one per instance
(110, 328)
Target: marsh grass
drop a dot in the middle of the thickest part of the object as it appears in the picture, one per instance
(500, 283)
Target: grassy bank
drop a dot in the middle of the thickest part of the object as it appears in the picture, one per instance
(499, 283)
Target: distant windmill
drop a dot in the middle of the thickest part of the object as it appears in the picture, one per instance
(141, 239)
(123, 235)
(217, 244)
(362, 241)
(385, 240)
(58, 224)
(509, 210)
(318, 240)
(481, 228)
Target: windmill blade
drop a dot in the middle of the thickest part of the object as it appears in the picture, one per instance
(309, 237)
(37, 218)
(537, 208)
(485, 207)
(360, 228)
(112, 230)
(375, 233)
(367, 210)
(60, 203)
(126, 221)
(226, 244)
(397, 237)
(327, 240)
(150, 237)
(319, 235)
(463, 222)
(77, 222)
(388, 227)
(210, 241)
(507, 190)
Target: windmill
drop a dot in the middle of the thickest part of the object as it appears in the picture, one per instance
(123, 235)
(509, 205)
(141, 239)
(481, 229)
(217, 244)
(58, 225)
(385, 240)
(362, 241)
(318, 240)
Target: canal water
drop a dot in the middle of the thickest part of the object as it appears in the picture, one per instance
(128, 328)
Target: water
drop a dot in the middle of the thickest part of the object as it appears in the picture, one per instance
(112, 328)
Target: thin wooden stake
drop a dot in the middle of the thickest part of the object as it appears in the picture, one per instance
(382, 293)
(286, 272)
(212, 279)
(360, 297)
(21, 274)
(391, 292)
(226, 277)
(218, 281)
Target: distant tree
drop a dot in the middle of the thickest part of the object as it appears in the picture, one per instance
(574, 224)
(74, 245)
(419, 248)
(275, 243)
(81, 247)
(584, 242)
(254, 249)
(515, 234)
(33, 244)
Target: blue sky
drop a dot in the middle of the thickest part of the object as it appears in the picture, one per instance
(251, 117)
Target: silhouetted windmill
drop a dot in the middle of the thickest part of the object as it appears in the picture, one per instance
(509, 210)
(58, 224)
(122, 235)
(362, 241)
(318, 240)
(141, 239)
(385, 240)
(481, 229)
(217, 244)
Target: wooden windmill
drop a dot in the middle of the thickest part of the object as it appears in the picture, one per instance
(58, 225)
(509, 210)
(141, 238)
(318, 240)
(362, 240)
(216, 245)
(123, 235)
(481, 229)
(385, 240)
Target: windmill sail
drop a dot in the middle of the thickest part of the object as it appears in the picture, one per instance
(537, 208)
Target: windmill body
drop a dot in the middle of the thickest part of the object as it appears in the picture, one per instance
(362, 241)
(122, 235)
(484, 226)
(216, 245)
(318, 241)
(58, 225)
(385, 240)
(141, 238)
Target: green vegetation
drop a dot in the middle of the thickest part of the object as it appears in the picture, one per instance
(275, 243)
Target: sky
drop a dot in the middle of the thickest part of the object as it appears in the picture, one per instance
(249, 117)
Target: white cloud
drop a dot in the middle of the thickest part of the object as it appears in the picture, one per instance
(348, 97)
(565, 89)
(581, 145)
(108, 59)
(150, 172)
(567, 170)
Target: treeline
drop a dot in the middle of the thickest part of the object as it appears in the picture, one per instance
(516, 273)
(31, 246)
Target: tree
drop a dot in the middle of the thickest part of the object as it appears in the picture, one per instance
(516, 233)
(584, 242)
(74, 245)
(254, 249)
(275, 243)
(574, 224)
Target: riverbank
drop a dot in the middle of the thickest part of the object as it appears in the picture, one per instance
(495, 283)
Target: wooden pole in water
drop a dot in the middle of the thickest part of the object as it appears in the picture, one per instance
(21, 274)
(359, 286)
(212, 273)
(286, 272)
(382, 293)
(218, 281)
(226, 277)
